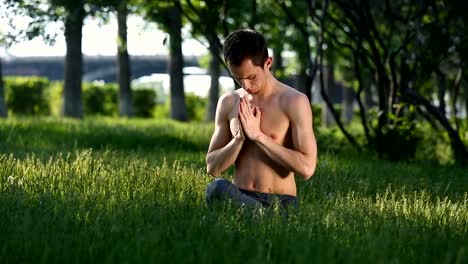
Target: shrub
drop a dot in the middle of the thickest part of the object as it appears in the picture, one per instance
(400, 137)
(100, 99)
(434, 146)
(144, 102)
(25, 95)
(162, 111)
(54, 95)
(196, 107)
(317, 114)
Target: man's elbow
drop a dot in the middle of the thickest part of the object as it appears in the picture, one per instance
(211, 170)
(309, 170)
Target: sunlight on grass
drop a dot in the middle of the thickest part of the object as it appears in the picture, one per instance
(133, 191)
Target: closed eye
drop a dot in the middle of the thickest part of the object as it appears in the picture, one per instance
(251, 77)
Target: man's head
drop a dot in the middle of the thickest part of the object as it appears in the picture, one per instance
(245, 44)
(246, 55)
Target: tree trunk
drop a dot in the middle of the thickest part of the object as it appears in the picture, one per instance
(441, 91)
(455, 97)
(72, 98)
(176, 64)
(215, 72)
(329, 103)
(3, 108)
(369, 88)
(123, 63)
(466, 101)
(278, 67)
(348, 99)
(301, 80)
(361, 85)
(331, 92)
(253, 15)
(459, 150)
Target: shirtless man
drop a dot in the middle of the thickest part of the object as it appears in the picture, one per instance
(264, 128)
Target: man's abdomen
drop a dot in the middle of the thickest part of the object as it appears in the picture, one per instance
(257, 172)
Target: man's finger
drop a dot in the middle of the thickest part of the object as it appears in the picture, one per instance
(258, 113)
(246, 107)
(243, 108)
(241, 117)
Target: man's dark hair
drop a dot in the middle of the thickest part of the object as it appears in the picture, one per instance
(245, 44)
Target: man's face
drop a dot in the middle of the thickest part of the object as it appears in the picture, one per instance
(251, 77)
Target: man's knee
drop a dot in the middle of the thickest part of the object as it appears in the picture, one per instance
(217, 189)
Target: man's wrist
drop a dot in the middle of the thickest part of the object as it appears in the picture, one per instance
(239, 140)
(258, 138)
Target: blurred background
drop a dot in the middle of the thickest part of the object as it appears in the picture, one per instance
(389, 76)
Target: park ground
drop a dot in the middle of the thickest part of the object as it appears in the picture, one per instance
(132, 190)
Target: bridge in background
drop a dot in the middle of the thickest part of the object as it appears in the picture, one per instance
(95, 68)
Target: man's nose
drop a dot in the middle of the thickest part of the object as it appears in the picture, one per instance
(245, 84)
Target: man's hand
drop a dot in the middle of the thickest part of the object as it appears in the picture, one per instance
(250, 119)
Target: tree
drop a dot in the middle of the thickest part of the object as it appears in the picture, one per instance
(167, 14)
(405, 62)
(121, 8)
(3, 108)
(270, 21)
(123, 62)
(201, 13)
(316, 14)
(73, 17)
(72, 14)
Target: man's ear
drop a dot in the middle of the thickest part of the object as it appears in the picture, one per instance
(268, 63)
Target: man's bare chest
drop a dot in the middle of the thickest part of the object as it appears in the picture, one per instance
(274, 122)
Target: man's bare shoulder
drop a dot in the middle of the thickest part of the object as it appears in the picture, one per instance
(230, 98)
(228, 101)
(290, 96)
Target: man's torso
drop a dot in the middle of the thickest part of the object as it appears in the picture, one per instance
(256, 171)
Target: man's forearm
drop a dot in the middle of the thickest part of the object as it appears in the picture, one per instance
(221, 159)
(290, 159)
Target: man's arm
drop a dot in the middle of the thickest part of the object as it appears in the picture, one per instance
(303, 158)
(224, 147)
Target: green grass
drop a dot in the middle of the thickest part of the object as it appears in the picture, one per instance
(108, 190)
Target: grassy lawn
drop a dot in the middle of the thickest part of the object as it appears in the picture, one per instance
(108, 190)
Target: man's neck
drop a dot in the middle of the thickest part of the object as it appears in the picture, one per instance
(267, 91)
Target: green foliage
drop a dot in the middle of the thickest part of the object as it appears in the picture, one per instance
(401, 136)
(433, 146)
(100, 99)
(26, 95)
(330, 139)
(144, 101)
(196, 107)
(317, 114)
(162, 110)
(204, 61)
(55, 98)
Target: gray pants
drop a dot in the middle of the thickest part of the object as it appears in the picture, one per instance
(223, 190)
